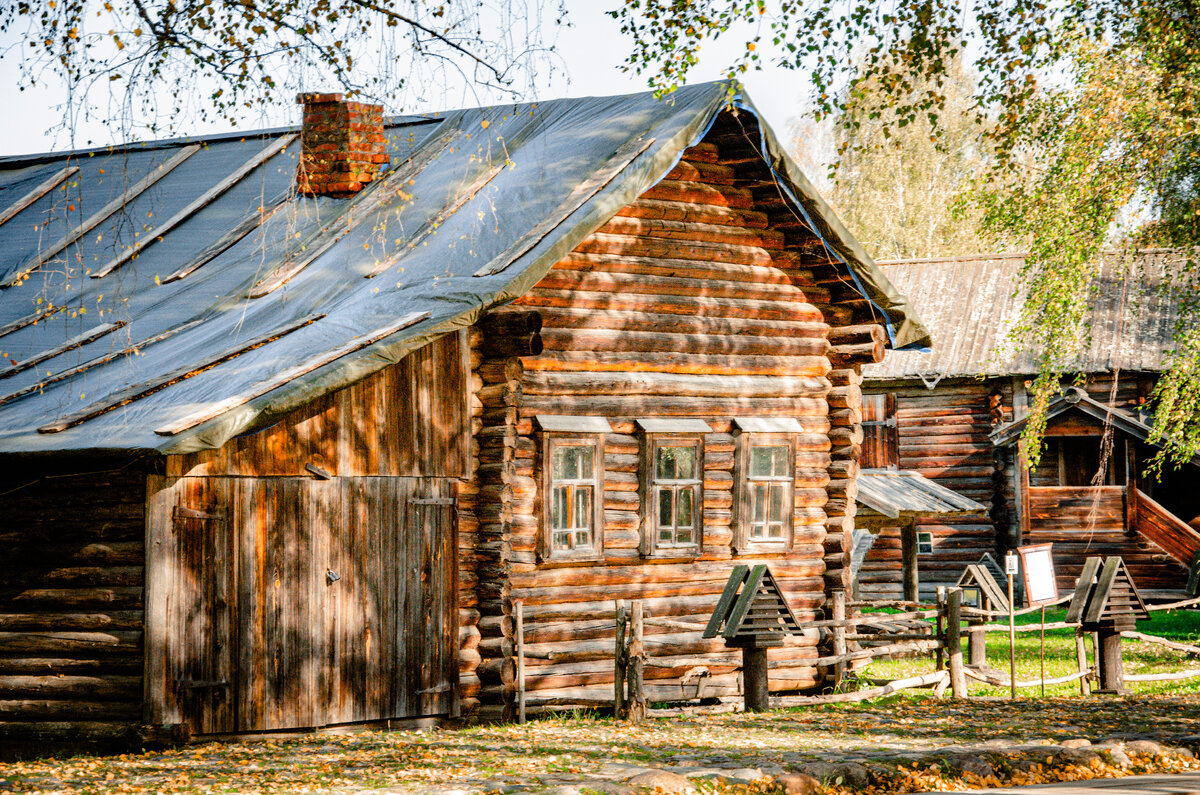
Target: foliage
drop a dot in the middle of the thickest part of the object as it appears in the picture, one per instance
(216, 58)
(1090, 108)
(898, 188)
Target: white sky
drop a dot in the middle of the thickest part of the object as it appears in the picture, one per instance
(591, 51)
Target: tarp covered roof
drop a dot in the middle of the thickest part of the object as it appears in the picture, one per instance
(204, 334)
(970, 304)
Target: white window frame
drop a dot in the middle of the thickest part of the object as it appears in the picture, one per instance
(549, 549)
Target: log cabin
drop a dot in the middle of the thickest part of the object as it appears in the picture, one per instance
(290, 421)
(954, 414)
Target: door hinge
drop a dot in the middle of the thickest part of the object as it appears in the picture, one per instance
(432, 501)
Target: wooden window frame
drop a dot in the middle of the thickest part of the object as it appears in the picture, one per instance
(650, 545)
(881, 440)
(743, 542)
(924, 538)
(549, 442)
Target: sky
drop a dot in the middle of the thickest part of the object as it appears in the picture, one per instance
(590, 53)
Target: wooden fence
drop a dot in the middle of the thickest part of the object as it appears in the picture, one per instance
(856, 636)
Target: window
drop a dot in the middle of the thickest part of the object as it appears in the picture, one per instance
(924, 543)
(764, 474)
(769, 477)
(674, 502)
(880, 446)
(572, 497)
(572, 489)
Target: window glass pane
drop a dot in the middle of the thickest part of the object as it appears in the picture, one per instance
(684, 517)
(684, 536)
(572, 463)
(665, 512)
(583, 507)
(675, 463)
(769, 461)
(560, 514)
(776, 503)
(665, 467)
(760, 503)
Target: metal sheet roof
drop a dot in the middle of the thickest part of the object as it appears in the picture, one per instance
(204, 334)
(892, 493)
(970, 305)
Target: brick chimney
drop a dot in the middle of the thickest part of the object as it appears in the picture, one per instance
(342, 145)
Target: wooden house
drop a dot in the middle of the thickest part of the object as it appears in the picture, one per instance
(289, 421)
(954, 413)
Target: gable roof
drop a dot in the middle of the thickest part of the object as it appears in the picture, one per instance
(970, 304)
(1075, 399)
(205, 334)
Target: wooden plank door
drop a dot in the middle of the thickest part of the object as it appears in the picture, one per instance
(190, 654)
(284, 527)
(427, 620)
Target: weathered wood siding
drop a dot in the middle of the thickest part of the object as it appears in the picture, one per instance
(1085, 521)
(361, 483)
(942, 434)
(691, 302)
(407, 420)
(286, 602)
(71, 601)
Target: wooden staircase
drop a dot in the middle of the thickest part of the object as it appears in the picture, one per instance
(1168, 531)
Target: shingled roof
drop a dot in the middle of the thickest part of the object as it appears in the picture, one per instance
(245, 301)
(970, 304)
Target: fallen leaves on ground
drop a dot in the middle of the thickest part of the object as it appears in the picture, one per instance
(555, 751)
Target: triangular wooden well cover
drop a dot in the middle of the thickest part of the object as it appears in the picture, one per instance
(1106, 592)
(979, 576)
(751, 606)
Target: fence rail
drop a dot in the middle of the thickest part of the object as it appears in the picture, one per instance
(920, 628)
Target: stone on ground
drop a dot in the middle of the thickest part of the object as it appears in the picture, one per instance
(797, 784)
(662, 781)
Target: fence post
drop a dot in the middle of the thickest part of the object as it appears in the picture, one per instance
(637, 654)
(940, 652)
(839, 636)
(620, 658)
(519, 608)
(958, 679)
(1081, 655)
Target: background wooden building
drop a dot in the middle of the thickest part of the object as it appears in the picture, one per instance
(940, 412)
(279, 459)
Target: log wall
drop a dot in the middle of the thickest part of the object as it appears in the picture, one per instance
(1084, 522)
(942, 434)
(698, 300)
(71, 602)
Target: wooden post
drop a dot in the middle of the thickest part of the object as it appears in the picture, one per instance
(1081, 655)
(958, 679)
(908, 552)
(1012, 640)
(754, 678)
(519, 610)
(940, 652)
(1108, 660)
(1042, 649)
(620, 661)
(839, 636)
(976, 646)
(637, 655)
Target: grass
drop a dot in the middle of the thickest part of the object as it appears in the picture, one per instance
(1182, 626)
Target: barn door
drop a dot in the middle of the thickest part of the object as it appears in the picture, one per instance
(426, 621)
(189, 649)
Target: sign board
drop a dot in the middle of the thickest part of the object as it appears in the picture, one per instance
(1010, 564)
(1037, 561)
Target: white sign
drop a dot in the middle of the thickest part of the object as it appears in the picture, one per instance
(1040, 585)
(1010, 564)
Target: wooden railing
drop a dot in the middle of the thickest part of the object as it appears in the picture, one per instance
(1164, 528)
